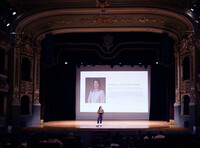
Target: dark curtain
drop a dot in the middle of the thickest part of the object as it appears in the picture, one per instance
(159, 109)
(58, 92)
(163, 83)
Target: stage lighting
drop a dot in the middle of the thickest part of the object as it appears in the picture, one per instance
(66, 63)
(8, 24)
(156, 62)
(192, 9)
(196, 21)
(14, 13)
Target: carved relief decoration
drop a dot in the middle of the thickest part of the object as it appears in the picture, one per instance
(187, 43)
(151, 20)
(185, 87)
(187, 46)
(59, 21)
(26, 87)
(24, 46)
(27, 48)
(105, 20)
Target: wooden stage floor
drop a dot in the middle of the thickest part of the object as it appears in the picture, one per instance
(90, 125)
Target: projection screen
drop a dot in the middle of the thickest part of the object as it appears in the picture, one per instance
(123, 92)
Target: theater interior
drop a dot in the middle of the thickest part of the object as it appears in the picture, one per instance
(47, 46)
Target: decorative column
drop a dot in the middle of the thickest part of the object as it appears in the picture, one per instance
(25, 95)
(36, 85)
(4, 86)
(177, 74)
(177, 104)
(185, 105)
(37, 75)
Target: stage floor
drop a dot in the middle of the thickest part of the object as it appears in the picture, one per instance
(107, 125)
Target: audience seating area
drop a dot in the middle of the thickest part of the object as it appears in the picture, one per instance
(97, 139)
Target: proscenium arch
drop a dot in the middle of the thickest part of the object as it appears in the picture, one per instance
(142, 19)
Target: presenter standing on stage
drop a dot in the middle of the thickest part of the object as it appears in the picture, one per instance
(100, 113)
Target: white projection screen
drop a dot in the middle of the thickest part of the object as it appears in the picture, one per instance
(123, 92)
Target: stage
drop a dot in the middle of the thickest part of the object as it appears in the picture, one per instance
(108, 125)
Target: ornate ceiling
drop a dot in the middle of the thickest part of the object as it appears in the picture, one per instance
(39, 18)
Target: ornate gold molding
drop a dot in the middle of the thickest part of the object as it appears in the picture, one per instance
(26, 87)
(185, 87)
(151, 20)
(24, 46)
(105, 20)
(60, 21)
(187, 43)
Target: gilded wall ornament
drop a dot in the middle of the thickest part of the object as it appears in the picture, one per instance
(150, 20)
(26, 87)
(185, 86)
(24, 46)
(28, 48)
(105, 20)
(187, 43)
(60, 21)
